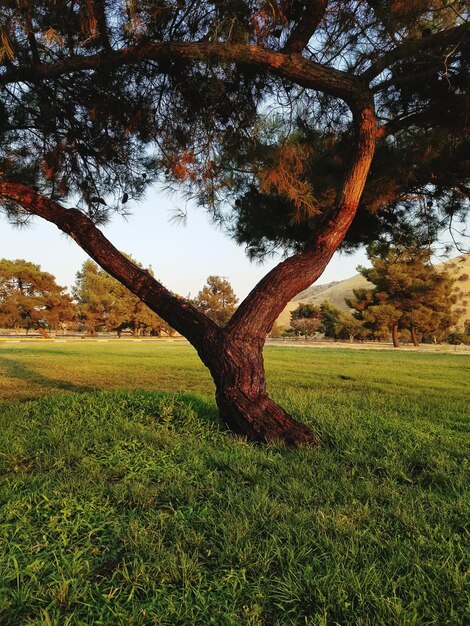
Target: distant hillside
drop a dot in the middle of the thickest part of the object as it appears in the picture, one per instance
(337, 292)
(313, 291)
(459, 270)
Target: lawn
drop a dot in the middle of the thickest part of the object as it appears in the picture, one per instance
(124, 501)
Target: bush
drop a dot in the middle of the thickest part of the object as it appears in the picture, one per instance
(456, 339)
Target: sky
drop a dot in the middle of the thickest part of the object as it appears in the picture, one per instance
(182, 257)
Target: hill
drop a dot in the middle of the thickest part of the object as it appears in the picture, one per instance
(337, 292)
(312, 291)
(459, 270)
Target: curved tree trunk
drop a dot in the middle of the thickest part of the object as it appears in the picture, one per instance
(244, 405)
(233, 354)
(414, 337)
(37, 324)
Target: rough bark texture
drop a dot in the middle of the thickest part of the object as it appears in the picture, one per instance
(238, 371)
(414, 337)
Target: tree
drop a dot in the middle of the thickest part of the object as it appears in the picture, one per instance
(337, 324)
(98, 99)
(104, 302)
(330, 316)
(351, 328)
(30, 297)
(409, 294)
(217, 300)
(306, 320)
(93, 291)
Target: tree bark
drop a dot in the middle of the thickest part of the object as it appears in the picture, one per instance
(244, 405)
(414, 337)
(395, 335)
(43, 331)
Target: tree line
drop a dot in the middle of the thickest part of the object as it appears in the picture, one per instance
(30, 298)
(410, 301)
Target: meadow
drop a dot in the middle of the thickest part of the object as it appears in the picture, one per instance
(123, 500)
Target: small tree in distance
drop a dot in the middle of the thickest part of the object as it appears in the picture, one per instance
(217, 300)
(351, 328)
(306, 320)
(409, 294)
(94, 294)
(105, 302)
(337, 324)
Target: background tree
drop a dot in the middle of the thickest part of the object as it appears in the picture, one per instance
(337, 324)
(217, 300)
(99, 98)
(379, 317)
(30, 298)
(306, 320)
(104, 302)
(351, 328)
(409, 294)
(93, 291)
(330, 317)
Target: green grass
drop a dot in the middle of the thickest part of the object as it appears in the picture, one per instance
(133, 506)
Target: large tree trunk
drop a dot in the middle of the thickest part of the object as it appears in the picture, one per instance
(244, 405)
(233, 354)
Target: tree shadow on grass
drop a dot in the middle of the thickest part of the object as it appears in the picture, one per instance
(16, 369)
(205, 408)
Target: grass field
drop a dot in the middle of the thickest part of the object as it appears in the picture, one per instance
(123, 500)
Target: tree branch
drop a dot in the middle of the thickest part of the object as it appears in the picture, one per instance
(294, 67)
(314, 10)
(420, 118)
(179, 313)
(412, 46)
(257, 313)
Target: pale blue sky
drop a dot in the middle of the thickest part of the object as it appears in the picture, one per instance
(182, 257)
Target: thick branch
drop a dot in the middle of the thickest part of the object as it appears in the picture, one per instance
(257, 313)
(293, 67)
(179, 313)
(420, 118)
(303, 31)
(100, 14)
(411, 47)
